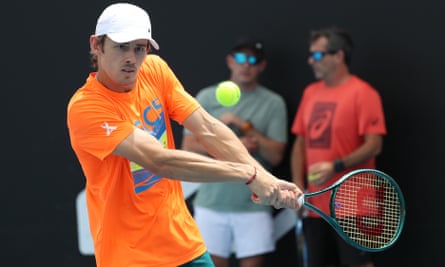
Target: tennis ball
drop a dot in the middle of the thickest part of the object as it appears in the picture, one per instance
(227, 93)
(311, 176)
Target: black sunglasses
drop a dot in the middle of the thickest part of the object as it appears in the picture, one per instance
(318, 55)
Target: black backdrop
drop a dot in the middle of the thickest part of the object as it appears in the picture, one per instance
(399, 49)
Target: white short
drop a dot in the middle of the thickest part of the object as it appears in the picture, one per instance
(244, 233)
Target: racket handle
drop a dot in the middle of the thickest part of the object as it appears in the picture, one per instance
(301, 200)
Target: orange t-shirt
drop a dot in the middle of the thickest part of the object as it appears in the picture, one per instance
(334, 121)
(136, 217)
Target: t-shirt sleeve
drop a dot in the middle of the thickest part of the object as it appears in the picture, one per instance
(298, 123)
(96, 128)
(277, 128)
(179, 103)
(371, 115)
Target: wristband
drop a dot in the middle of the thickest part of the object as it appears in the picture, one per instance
(253, 177)
(247, 127)
(339, 166)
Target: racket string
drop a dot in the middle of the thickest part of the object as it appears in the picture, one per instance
(367, 208)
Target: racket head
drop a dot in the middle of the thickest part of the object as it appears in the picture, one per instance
(369, 209)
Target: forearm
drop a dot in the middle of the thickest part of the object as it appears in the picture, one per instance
(187, 166)
(217, 139)
(146, 151)
(371, 147)
(220, 142)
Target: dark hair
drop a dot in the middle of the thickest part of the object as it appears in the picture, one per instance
(93, 57)
(338, 39)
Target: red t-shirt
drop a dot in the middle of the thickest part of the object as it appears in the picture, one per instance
(136, 217)
(334, 121)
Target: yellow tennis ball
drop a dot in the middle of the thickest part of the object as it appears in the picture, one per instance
(312, 176)
(228, 93)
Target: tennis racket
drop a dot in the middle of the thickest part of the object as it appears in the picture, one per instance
(367, 209)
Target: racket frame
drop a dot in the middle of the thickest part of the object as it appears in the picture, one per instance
(332, 219)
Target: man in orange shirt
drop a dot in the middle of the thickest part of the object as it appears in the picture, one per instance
(119, 127)
(339, 126)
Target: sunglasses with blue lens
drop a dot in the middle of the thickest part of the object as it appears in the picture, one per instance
(242, 58)
(319, 55)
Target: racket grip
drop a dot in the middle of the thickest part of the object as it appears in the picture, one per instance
(301, 200)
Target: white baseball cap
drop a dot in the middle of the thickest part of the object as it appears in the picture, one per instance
(123, 22)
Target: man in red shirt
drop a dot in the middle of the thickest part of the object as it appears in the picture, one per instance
(339, 126)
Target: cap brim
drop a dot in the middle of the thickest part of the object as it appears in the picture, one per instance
(154, 44)
(128, 37)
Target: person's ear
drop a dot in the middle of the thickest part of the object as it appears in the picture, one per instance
(230, 61)
(262, 65)
(95, 44)
(341, 56)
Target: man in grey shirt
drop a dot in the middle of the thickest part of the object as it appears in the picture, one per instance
(227, 217)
